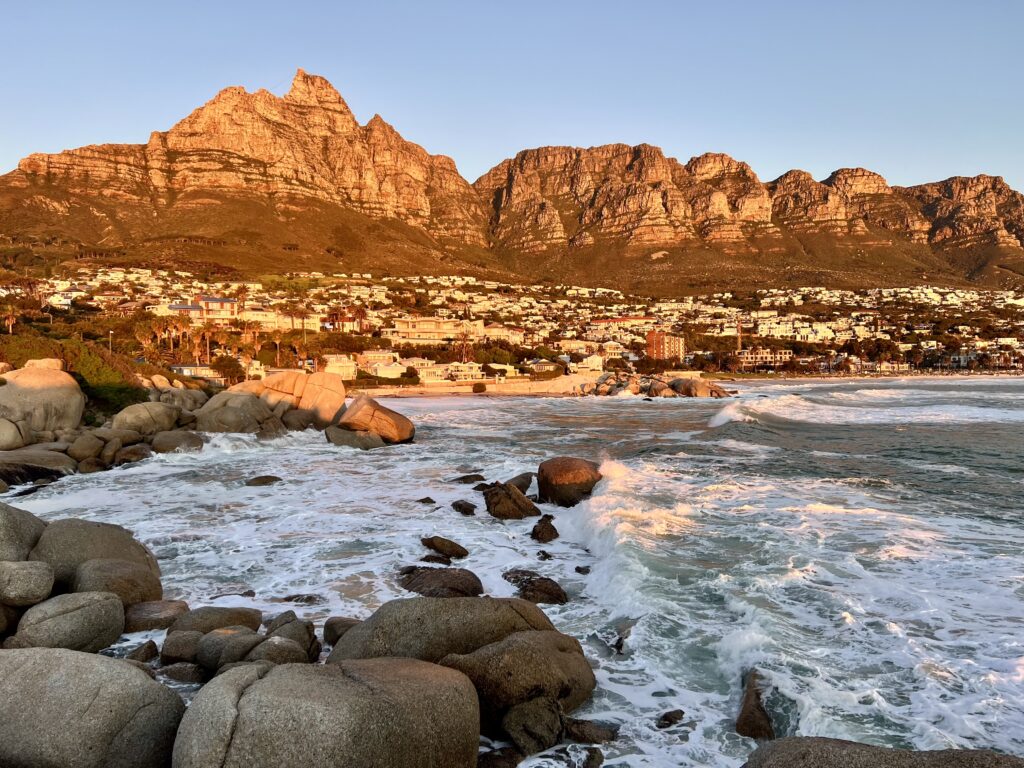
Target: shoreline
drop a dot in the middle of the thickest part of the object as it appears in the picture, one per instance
(539, 390)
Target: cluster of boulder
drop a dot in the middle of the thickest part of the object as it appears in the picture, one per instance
(415, 684)
(616, 383)
(42, 437)
(70, 583)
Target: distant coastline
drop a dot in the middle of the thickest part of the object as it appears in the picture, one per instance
(564, 386)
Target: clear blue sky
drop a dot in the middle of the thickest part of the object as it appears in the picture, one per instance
(916, 90)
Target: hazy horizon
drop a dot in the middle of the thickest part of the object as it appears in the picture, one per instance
(917, 93)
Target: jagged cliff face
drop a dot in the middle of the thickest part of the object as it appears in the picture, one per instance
(304, 146)
(249, 174)
(564, 197)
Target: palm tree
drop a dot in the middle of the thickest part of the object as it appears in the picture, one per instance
(277, 337)
(206, 333)
(10, 317)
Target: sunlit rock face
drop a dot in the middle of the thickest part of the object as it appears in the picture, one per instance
(306, 144)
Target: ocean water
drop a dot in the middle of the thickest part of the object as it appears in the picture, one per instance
(860, 543)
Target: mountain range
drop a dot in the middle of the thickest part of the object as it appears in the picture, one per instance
(254, 183)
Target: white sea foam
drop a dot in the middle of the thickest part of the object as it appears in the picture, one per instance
(877, 608)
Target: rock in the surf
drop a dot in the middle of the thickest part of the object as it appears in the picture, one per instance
(544, 531)
(536, 588)
(440, 582)
(364, 414)
(566, 480)
(522, 667)
(444, 546)
(506, 502)
(753, 720)
(177, 441)
(687, 387)
(336, 626)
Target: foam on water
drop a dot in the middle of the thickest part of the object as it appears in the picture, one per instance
(871, 574)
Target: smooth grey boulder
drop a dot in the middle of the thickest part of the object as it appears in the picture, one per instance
(19, 532)
(398, 713)
(26, 465)
(83, 621)
(336, 626)
(815, 752)
(80, 710)
(346, 438)
(147, 418)
(430, 628)
(524, 666)
(211, 617)
(233, 412)
(159, 614)
(47, 399)
(132, 582)
(66, 544)
(25, 583)
(177, 441)
(279, 650)
(226, 645)
(85, 446)
(364, 414)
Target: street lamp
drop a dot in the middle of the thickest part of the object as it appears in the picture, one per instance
(110, 342)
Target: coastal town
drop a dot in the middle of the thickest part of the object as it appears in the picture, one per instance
(457, 330)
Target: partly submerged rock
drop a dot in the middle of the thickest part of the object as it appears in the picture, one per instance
(566, 481)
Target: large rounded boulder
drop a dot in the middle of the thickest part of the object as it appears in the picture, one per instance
(83, 621)
(364, 414)
(399, 713)
(323, 398)
(238, 412)
(147, 418)
(430, 628)
(132, 582)
(566, 480)
(79, 710)
(66, 544)
(525, 666)
(19, 532)
(687, 387)
(47, 398)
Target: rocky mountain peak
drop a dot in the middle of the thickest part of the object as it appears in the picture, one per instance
(258, 168)
(314, 91)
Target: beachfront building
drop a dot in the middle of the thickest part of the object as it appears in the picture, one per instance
(216, 310)
(433, 330)
(663, 346)
(758, 357)
(342, 365)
